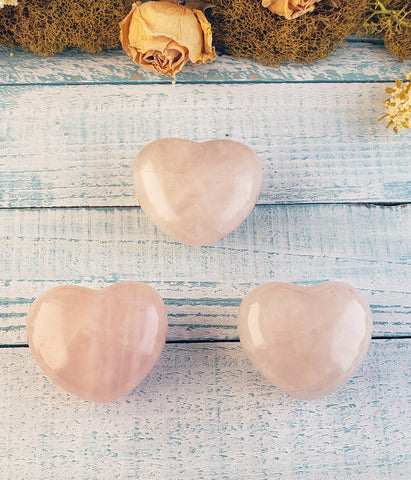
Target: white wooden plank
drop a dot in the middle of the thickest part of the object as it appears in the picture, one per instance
(74, 145)
(204, 412)
(367, 247)
(354, 62)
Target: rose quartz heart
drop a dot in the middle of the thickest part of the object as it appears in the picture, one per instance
(97, 344)
(197, 192)
(306, 341)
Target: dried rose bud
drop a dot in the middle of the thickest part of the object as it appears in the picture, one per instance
(164, 36)
(290, 8)
(8, 2)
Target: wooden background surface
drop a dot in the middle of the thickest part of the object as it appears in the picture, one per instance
(334, 206)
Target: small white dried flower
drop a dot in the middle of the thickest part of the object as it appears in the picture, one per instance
(399, 105)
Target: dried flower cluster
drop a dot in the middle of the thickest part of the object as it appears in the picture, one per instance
(289, 8)
(399, 105)
(8, 2)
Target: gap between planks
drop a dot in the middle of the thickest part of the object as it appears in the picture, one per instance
(133, 207)
(198, 83)
(229, 340)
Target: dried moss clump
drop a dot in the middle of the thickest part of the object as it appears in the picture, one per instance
(50, 26)
(244, 28)
(391, 19)
(240, 27)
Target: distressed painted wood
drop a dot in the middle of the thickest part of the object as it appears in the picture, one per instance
(70, 127)
(354, 62)
(74, 145)
(367, 247)
(204, 412)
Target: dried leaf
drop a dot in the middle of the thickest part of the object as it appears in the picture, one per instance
(201, 5)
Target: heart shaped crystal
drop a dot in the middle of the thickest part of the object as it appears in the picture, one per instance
(97, 344)
(197, 192)
(306, 341)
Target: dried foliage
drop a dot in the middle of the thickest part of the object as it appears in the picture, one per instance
(244, 28)
(50, 26)
(240, 27)
(390, 19)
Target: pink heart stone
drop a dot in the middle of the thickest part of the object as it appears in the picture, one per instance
(197, 192)
(97, 345)
(306, 341)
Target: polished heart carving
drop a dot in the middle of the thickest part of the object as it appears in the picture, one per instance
(305, 340)
(197, 192)
(98, 345)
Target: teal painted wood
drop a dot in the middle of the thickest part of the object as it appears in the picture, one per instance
(74, 145)
(355, 62)
(367, 247)
(205, 413)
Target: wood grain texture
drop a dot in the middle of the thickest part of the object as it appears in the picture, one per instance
(204, 413)
(367, 247)
(355, 62)
(74, 145)
(70, 126)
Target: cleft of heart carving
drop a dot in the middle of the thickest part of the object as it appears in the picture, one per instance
(307, 341)
(197, 192)
(98, 345)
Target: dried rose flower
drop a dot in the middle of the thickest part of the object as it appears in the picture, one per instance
(290, 8)
(164, 36)
(8, 2)
(399, 105)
